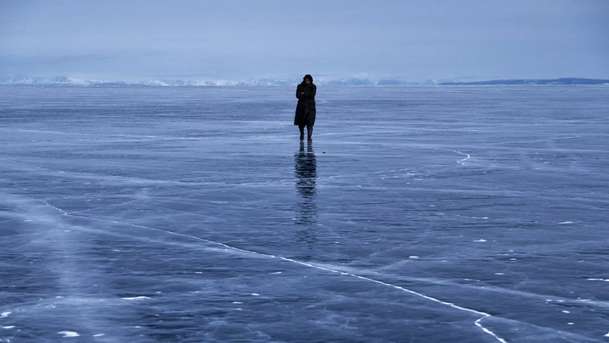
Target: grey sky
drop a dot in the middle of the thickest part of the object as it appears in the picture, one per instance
(413, 40)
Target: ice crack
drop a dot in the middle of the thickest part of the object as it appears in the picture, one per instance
(477, 322)
(463, 160)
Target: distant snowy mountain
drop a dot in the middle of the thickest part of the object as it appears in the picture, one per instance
(330, 81)
(70, 81)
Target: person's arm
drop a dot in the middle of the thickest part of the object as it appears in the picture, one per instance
(309, 92)
(299, 92)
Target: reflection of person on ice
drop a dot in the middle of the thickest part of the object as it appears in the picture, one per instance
(305, 110)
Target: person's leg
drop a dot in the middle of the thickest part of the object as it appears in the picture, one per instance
(301, 128)
(309, 132)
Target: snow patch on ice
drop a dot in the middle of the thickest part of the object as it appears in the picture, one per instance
(139, 297)
(67, 333)
(5, 314)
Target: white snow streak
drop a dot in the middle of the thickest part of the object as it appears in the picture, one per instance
(140, 297)
(68, 334)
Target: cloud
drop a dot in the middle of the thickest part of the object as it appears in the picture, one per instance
(415, 40)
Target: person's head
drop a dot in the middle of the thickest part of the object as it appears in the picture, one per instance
(308, 79)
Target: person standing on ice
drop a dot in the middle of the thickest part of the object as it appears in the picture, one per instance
(305, 109)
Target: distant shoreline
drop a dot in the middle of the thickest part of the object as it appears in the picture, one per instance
(559, 81)
(347, 83)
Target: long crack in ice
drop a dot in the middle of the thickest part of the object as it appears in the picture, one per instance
(477, 322)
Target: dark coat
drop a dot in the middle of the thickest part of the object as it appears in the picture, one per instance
(305, 110)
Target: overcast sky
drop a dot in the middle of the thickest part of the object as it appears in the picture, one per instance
(229, 39)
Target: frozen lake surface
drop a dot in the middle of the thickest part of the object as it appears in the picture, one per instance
(453, 214)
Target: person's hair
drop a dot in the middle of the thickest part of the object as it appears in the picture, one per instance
(308, 76)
